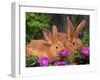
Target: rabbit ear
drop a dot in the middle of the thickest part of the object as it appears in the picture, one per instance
(70, 28)
(54, 32)
(47, 35)
(79, 28)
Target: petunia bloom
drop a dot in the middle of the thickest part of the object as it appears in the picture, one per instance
(44, 61)
(64, 53)
(60, 63)
(85, 51)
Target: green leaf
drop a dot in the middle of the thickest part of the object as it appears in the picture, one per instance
(31, 61)
(78, 54)
(86, 39)
(69, 59)
(35, 22)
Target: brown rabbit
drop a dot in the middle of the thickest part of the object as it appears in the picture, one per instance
(71, 39)
(73, 36)
(49, 47)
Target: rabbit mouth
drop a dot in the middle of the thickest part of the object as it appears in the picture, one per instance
(60, 52)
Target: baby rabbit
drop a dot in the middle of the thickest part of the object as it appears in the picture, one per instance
(49, 47)
(71, 39)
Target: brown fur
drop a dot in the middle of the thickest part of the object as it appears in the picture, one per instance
(71, 39)
(46, 47)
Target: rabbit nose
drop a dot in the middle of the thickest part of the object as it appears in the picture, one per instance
(62, 49)
(60, 52)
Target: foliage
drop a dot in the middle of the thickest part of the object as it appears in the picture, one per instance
(31, 61)
(81, 59)
(35, 22)
(69, 59)
(78, 59)
(85, 39)
(76, 20)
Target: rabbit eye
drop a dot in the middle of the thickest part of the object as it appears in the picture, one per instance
(73, 43)
(56, 47)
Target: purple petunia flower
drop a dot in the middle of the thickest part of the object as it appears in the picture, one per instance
(60, 63)
(64, 53)
(44, 61)
(85, 51)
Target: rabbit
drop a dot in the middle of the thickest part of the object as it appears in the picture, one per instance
(73, 36)
(49, 47)
(70, 38)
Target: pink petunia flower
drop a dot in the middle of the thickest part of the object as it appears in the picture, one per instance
(44, 61)
(85, 51)
(60, 63)
(64, 53)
